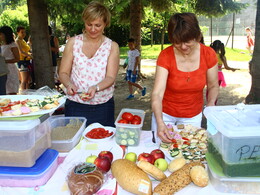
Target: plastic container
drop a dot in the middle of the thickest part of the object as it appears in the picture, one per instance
(23, 141)
(129, 134)
(238, 185)
(66, 132)
(233, 138)
(37, 175)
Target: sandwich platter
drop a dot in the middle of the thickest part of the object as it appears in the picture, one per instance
(29, 105)
(188, 141)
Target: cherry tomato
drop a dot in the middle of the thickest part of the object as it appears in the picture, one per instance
(135, 122)
(123, 121)
(127, 116)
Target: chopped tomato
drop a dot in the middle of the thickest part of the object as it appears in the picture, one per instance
(175, 145)
(184, 138)
(186, 142)
(174, 141)
(98, 133)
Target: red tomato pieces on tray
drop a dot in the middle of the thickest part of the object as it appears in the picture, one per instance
(98, 133)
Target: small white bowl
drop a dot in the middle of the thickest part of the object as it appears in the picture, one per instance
(98, 125)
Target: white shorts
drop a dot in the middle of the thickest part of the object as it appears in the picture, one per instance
(168, 119)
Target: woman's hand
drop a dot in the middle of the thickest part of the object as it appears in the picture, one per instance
(71, 89)
(91, 92)
(163, 133)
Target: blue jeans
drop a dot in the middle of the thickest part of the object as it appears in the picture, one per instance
(100, 113)
(3, 80)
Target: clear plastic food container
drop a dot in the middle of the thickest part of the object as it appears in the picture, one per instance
(66, 132)
(129, 134)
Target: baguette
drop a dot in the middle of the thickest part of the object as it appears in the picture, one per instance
(176, 181)
(131, 178)
(151, 170)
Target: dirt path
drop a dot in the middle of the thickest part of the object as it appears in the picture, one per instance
(238, 86)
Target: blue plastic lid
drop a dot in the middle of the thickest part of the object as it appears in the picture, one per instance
(41, 165)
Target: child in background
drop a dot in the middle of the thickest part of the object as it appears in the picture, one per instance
(132, 69)
(219, 48)
(250, 40)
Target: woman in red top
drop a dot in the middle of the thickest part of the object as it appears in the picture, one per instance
(183, 69)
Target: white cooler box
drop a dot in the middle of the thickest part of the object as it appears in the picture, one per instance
(22, 142)
(234, 138)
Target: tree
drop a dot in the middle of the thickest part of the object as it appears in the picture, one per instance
(38, 19)
(254, 94)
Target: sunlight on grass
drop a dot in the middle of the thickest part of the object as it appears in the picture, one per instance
(149, 52)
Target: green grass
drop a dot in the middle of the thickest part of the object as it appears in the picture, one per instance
(149, 52)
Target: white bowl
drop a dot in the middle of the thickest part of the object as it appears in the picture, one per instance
(98, 125)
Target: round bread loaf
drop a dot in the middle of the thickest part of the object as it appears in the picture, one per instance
(85, 179)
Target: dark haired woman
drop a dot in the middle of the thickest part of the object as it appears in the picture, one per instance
(10, 52)
(183, 69)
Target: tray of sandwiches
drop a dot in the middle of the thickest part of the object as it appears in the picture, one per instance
(29, 105)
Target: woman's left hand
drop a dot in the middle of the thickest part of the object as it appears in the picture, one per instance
(91, 92)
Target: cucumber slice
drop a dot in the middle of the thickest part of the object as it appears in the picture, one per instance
(131, 142)
(175, 153)
(184, 146)
(163, 145)
(123, 142)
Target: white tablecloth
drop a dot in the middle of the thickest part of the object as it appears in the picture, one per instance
(57, 184)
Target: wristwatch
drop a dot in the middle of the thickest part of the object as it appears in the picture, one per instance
(97, 88)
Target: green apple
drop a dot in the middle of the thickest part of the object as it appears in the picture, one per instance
(131, 156)
(91, 159)
(161, 164)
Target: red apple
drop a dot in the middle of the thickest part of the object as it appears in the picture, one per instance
(107, 154)
(103, 163)
(146, 157)
(157, 153)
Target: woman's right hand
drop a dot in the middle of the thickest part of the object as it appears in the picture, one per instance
(71, 89)
(163, 133)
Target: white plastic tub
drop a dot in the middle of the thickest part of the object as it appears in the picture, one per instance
(233, 138)
(23, 141)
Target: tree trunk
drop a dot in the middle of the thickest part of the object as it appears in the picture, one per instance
(135, 21)
(151, 36)
(162, 37)
(254, 95)
(38, 19)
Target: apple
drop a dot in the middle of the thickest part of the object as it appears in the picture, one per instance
(146, 157)
(157, 153)
(91, 159)
(131, 156)
(103, 163)
(161, 163)
(107, 154)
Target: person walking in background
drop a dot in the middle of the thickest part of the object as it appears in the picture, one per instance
(54, 42)
(250, 40)
(132, 69)
(90, 64)
(219, 48)
(183, 69)
(10, 52)
(25, 57)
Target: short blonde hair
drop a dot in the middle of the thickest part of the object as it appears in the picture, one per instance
(95, 10)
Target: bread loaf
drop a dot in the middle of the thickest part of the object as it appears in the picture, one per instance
(176, 164)
(199, 176)
(151, 170)
(85, 179)
(176, 181)
(131, 178)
